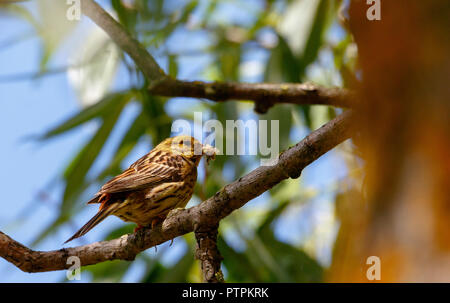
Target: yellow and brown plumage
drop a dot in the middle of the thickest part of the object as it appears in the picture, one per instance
(150, 188)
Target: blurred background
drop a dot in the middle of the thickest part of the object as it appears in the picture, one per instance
(75, 112)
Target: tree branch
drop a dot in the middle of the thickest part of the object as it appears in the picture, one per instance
(265, 95)
(205, 217)
(179, 222)
(208, 254)
(123, 39)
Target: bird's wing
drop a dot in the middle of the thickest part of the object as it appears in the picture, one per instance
(139, 176)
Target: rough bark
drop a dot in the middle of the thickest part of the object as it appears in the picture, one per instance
(264, 95)
(208, 254)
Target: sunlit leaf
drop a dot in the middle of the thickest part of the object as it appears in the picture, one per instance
(93, 67)
(54, 27)
(21, 12)
(314, 42)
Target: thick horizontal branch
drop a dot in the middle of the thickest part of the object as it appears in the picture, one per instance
(208, 213)
(265, 95)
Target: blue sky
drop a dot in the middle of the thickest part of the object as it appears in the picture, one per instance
(30, 169)
(29, 107)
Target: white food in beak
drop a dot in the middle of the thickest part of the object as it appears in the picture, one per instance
(210, 152)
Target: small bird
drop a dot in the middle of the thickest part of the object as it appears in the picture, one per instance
(151, 187)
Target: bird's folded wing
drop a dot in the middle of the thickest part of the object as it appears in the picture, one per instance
(142, 176)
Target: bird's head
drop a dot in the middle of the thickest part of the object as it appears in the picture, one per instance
(190, 148)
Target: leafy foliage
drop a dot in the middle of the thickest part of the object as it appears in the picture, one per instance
(208, 40)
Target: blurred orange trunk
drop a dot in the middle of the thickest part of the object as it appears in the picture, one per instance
(404, 218)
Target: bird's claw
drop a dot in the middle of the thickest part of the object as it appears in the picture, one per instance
(138, 228)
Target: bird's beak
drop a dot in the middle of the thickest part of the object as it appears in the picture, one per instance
(210, 152)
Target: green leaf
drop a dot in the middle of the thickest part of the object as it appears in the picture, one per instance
(282, 114)
(272, 216)
(238, 265)
(283, 64)
(321, 22)
(94, 68)
(228, 58)
(156, 270)
(54, 28)
(119, 232)
(166, 24)
(159, 122)
(76, 171)
(316, 36)
(96, 110)
(127, 16)
(179, 271)
(291, 260)
(130, 139)
(110, 271)
(173, 66)
(300, 267)
(21, 12)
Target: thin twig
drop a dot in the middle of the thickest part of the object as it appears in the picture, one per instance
(264, 95)
(123, 39)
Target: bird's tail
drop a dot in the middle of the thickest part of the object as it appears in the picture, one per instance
(99, 217)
